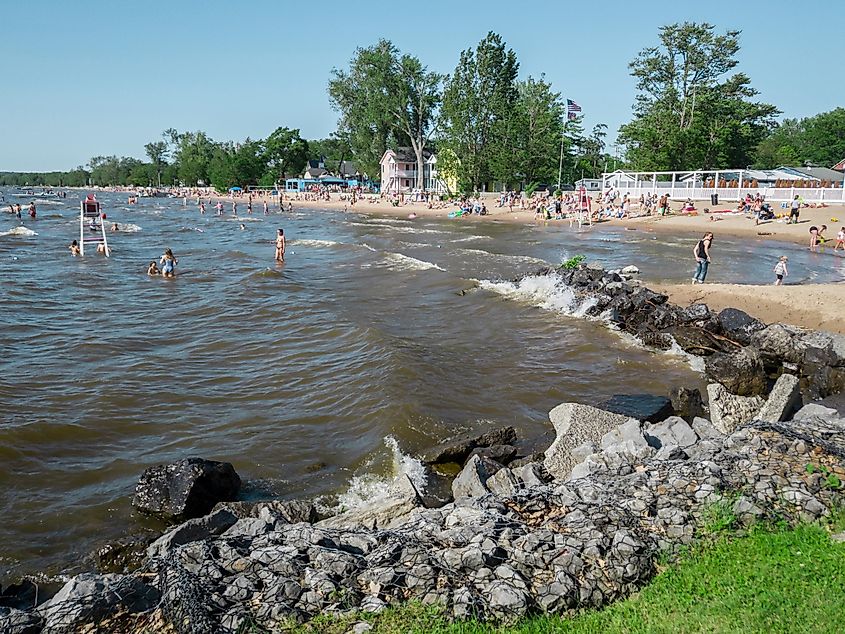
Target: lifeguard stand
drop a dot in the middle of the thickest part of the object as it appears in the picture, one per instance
(91, 227)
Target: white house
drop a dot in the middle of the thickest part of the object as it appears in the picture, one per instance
(399, 172)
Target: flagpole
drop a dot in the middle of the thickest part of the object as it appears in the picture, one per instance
(560, 164)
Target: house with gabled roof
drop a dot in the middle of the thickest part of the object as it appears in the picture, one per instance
(399, 172)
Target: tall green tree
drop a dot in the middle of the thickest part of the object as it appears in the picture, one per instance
(479, 100)
(536, 127)
(385, 98)
(193, 157)
(818, 140)
(285, 152)
(157, 153)
(690, 113)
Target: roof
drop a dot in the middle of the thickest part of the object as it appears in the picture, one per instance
(347, 168)
(406, 154)
(314, 172)
(815, 173)
(840, 166)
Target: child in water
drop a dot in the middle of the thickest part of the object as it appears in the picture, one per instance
(152, 269)
(780, 270)
(840, 239)
(280, 246)
(74, 248)
(168, 264)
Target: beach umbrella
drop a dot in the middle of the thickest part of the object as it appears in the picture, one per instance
(235, 189)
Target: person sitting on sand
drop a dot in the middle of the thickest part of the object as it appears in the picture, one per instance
(840, 240)
(153, 269)
(74, 248)
(168, 264)
(780, 270)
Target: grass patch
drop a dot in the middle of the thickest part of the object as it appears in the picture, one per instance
(770, 581)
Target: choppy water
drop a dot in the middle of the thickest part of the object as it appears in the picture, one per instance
(296, 373)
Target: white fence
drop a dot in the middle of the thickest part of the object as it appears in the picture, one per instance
(732, 194)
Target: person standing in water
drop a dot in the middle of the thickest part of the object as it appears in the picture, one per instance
(280, 245)
(266, 209)
(168, 264)
(702, 257)
(781, 270)
(32, 210)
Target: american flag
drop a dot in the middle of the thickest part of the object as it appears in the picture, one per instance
(571, 109)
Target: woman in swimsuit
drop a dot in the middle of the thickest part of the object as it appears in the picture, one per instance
(168, 264)
(280, 246)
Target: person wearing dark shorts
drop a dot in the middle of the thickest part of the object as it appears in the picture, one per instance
(796, 209)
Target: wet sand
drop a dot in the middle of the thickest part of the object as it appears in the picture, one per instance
(816, 306)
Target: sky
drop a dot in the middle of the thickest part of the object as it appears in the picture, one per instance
(90, 77)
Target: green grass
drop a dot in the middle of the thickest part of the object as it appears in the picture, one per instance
(771, 580)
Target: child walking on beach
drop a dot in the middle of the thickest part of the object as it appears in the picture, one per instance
(840, 239)
(780, 270)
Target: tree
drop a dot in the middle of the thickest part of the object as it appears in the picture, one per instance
(386, 97)
(478, 104)
(537, 131)
(285, 152)
(157, 153)
(335, 149)
(689, 114)
(193, 157)
(818, 140)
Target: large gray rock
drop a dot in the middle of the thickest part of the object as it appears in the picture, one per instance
(185, 489)
(783, 400)
(672, 432)
(504, 483)
(401, 499)
(576, 424)
(645, 407)
(458, 450)
(14, 621)
(729, 411)
(289, 511)
(777, 344)
(533, 474)
(741, 372)
(687, 402)
(739, 325)
(91, 598)
(471, 482)
(192, 530)
(814, 410)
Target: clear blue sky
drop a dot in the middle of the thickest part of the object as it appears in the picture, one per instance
(92, 77)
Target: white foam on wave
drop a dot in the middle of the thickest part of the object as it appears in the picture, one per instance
(128, 227)
(472, 238)
(19, 232)
(401, 229)
(476, 251)
(368, 247)
(675, 351)
(365, 489)
(543, 291)
(315, 243)
(244, 219)
(399, 262)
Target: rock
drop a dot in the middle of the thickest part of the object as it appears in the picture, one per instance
(695, 312)
(472, 480)
(21, 596)
(672, 432)
(704, 429)
(91, 598)
(696, 340)
(192, 530)
(503, 454)
(361, 627)
(14, 621)
(534, 457)
(814, 410)
(776, 344)
(384, 512)
(289, 511)
(580, 453)
(729, 411)
(533, 474)
(687, 402)
(630, 270)
(644, 407)
(458, 450)
(576, 424)
(739, 325)
(783, 401)
(741, 372)
(185, 489)
(503, 483)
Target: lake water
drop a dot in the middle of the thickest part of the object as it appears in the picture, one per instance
(309, 377)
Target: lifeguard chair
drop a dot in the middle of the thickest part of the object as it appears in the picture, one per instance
(91, 227)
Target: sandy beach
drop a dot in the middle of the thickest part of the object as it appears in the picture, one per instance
(816, 306)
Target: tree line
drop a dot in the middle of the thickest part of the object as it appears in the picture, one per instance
(692, 111)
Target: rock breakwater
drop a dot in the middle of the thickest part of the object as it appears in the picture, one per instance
(579, 526)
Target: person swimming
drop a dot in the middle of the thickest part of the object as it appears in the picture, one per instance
(74, 248)
(243, 227)
(168, 264)
(115, 227)
(153, 269)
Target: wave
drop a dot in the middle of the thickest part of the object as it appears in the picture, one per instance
(314, 243)
(245, 219)
(127, 227)
(368, 247)
(476, 251)
(19, 231)
(472, 238)
(399, 262)
(548, 292)
(365, 489)
(401, 229)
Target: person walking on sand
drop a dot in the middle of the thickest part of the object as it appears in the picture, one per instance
(781, 270)
(702, 257)
(795, 211)
(280, 245)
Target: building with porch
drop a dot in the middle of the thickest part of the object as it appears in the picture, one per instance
(399, 172)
